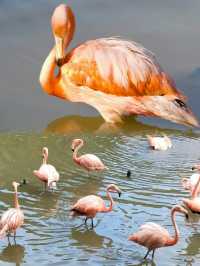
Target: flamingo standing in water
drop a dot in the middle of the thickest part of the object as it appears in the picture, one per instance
(194, 203)
(88, 161)
(153, 236)
(159, 143)
(47, 172)
(115, 76)
(90, 205)
(13, 218)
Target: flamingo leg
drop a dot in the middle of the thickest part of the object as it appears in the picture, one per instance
(92, 223)
(8, 236)
(147, 254)
(86, 220)
(15, 237)
(153, 254)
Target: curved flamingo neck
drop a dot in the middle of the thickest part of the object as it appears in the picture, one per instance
(16, 202)
(45, 158)
(196, 189)
(75, 153)
(108, 209)
(173, 240)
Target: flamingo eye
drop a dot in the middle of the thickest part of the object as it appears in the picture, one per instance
(180, 103)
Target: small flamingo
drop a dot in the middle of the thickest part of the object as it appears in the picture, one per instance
(190, 183)
(13, 218)
(153, 236)
(90, 205)
(88, 161)
(47, 172)
(194, 203)
(159, 143)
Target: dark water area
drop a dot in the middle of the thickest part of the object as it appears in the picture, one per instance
(30, 119)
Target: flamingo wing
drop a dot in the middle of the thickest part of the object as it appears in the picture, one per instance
(117, 67)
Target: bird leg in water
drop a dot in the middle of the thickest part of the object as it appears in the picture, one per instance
(15, 237)
(8, 236)
(147, 254)
(153, 254)
(91, 223)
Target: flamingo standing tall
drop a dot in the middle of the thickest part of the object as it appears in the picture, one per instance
(88, 161)
(153, 236)
(159, 143)
(90, 205)
(47, 173)
(13, 218)
(194, 203)
(115, 76)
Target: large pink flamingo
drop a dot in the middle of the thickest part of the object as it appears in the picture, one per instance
(115, 76)
(90, 205)
(159, 143)
(47, 173)
(194, 203)
(13, 218)
(153, 236)
(88, 161)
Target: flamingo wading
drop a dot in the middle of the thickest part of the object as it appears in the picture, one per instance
(153, 236)
(90, 205)
(13, 218)
(117, 77)
(47, 173)
(88, 161)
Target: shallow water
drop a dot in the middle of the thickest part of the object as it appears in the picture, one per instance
(49, 236)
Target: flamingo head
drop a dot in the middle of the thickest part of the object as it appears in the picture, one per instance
(196, 167)
(76, 143)
(15, 185)
(171, 107)
(52, 184)
(178, 208)
(63, 24)
(45, 152)
(115, 189)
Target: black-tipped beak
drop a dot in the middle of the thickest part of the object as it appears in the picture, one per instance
(23, 182)
(186, 216)
(119, 193)
(72, 150)
(193, 168)
(59, 62)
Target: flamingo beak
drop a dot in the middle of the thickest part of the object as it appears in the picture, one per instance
(59, 46)
(72, 150)
(119, 193)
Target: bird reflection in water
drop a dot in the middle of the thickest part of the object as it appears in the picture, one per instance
(13, 254)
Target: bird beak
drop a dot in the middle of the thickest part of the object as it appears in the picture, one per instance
(59, 46)
(167, 108)
(72, 150)
(119, 193)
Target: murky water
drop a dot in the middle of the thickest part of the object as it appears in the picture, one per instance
(49, 236)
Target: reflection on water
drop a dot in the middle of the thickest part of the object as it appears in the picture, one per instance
(13, 254)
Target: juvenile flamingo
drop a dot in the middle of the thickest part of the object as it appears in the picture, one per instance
(159, 143)
(13, 218)
(190, 183)
(90, 205)
(47, 173)
(88, 161)
(115, 76)
(153, 236)
(194, 203)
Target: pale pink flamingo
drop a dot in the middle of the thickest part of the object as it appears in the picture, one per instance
(153, 236)
(115, 76)
(190, 183)
(90, 205)
(88, 161)
(13, 218)
(47, 173)
(159, 143)
(194, 203)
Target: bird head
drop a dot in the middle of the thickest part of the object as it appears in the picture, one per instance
(170, 107)
(196, 167)
(178, 208)
(15, 185)
(45, 152)
(76, 143)
(63, 25)
(115, 189)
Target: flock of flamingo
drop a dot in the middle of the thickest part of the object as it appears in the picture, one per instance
(150, 235)
(118, 78)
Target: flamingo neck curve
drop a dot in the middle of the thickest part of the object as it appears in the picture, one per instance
(196, 189)
(16, 202)
(75, 153)
(173, 240)
(108, 209)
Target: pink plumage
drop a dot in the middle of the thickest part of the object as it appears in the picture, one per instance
(159, 143)
(13, 218)
(47, 172)
(153, 236)
(88, 161)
